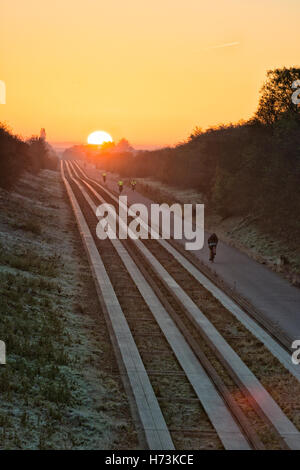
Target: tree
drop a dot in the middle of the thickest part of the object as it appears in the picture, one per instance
(123, 146)
(13, 155)
(197, 131)
(276, 96)
(41, 154)
(107, 146)
(43, 134)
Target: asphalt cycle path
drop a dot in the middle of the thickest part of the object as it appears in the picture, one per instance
(274, 297)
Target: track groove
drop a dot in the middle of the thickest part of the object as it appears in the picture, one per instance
(189, 308)
(203, 387)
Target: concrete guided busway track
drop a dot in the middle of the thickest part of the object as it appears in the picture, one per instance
(269, 408)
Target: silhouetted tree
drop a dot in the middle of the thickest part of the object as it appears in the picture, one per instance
(13, 157)
(239, 169)
(17, 156)
(276, 96)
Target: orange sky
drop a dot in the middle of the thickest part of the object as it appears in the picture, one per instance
(145, 70)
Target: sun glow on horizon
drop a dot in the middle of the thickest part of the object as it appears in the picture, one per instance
(85, 64)
(99, 138)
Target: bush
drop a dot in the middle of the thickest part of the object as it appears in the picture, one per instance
(16, 156)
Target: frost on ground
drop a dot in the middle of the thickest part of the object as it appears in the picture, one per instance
(250, 234)
(60, 388)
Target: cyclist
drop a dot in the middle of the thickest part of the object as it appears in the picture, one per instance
(120, 184)
(212, 243)
(104, 177)
(133, 184)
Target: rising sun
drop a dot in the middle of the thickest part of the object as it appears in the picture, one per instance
(99, 138)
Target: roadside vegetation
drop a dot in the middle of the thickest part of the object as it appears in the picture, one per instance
(17, 156)
(247, 174)
(60, 388)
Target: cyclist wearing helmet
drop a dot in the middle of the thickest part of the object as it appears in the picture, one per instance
(212, 243)
(120, 184)
(133, 184)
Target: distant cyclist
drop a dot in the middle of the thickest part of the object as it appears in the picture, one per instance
(121, 185)
(212, 243)
(104, 177)
(133, 184)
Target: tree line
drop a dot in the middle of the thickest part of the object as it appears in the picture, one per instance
(252, 166)
(17, 156)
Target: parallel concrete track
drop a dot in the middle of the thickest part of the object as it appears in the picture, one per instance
(167, 304)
